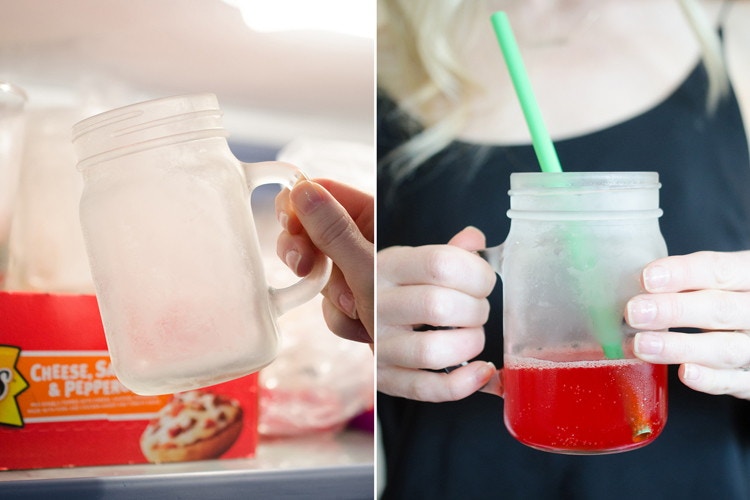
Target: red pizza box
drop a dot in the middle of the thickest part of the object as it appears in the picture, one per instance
(61, 405)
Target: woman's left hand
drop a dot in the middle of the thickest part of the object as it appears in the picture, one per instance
(707, 290)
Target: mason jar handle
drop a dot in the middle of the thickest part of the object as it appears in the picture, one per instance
(284, 299)
(494, 256)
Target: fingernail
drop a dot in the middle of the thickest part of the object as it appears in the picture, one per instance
(641, 312)
(310, 198)
(690, 372)
(292, 259)
(486, 372)
(655, 277)
(348, 305)
(449, 369)
(283, 218)
(648, 343)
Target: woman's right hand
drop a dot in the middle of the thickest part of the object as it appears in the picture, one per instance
(441, 285)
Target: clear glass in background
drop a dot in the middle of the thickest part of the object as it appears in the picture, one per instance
(47, 251)
(12, 104)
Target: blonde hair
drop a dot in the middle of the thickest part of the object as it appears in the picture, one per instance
(432, 81)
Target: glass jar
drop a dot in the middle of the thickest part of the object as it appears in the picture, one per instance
(572, 259)
(173, 249)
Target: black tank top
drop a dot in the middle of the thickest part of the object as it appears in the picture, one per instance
(461, 449)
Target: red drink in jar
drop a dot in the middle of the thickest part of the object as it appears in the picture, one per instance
(587, 406)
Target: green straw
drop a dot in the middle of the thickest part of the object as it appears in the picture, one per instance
(545, 150)
(606, 323)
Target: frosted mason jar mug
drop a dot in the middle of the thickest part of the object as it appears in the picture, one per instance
(572, 258)
(173, 249)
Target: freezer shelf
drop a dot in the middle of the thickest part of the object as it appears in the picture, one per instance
(316, 466)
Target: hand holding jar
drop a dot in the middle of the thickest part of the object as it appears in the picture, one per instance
(708, 290)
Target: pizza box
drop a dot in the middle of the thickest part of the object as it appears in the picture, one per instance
(61, 405)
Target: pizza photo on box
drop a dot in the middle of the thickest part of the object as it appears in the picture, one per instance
(194, 425)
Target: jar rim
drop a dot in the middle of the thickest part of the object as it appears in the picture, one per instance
(145, 125)
(160, 108)
(566, 180)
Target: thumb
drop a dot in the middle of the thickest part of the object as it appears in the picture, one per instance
(469, 238)
(330, 227)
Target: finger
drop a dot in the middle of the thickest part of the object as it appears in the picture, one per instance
(359, 205)
(719, 350)
(433, 350)
(435, 387)
(697, 271)
(339, 294)
(285, 213)
(344, 326)
(441, 265)
(431, 305)
(333, 230)
(469, 238)
(297, 252)
(716, 381)
(708, 309)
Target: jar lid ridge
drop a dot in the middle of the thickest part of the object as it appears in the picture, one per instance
(145, 125)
